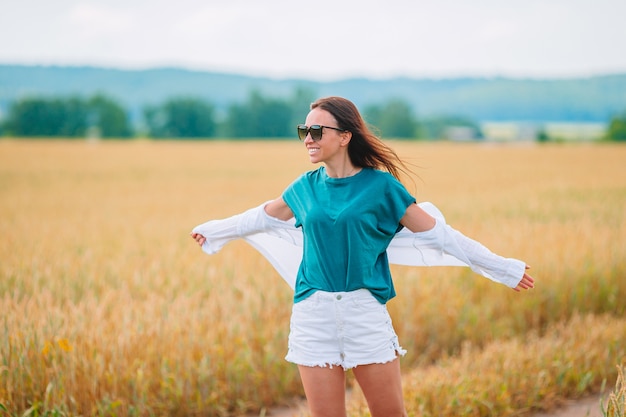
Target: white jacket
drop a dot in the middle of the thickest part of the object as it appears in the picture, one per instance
(280, 242)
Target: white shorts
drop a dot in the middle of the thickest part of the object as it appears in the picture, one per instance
(344, 329)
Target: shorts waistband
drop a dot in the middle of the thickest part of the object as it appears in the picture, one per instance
(340, 295)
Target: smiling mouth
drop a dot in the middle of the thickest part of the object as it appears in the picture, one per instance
(313, 150)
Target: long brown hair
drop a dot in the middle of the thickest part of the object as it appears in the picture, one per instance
(365, 148)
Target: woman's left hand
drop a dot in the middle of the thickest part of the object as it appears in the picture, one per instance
(198, 238)
(526, 283)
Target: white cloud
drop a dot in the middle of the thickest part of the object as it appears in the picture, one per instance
(96, 20)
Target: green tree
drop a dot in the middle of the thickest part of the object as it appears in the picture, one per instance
(394, 119)
(67, 117)
(617, 128)
(182, 118)
(109, 117)
(74, 119)
(238, 122)
(259, 117)
(47, 117)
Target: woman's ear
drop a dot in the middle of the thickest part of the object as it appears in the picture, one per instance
(345, 138)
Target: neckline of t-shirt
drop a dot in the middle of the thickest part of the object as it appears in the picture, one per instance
(334, 180)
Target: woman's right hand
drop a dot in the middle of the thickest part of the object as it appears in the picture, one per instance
(527, 282)
(198, 238)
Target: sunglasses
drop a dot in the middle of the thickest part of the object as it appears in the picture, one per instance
(315, 131)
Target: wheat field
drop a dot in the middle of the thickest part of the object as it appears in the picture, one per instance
(109, 308)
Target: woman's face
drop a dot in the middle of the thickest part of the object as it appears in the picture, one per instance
(333, 143)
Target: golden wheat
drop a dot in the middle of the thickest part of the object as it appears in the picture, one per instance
(517, 376)
(108, 307)
(616, 402)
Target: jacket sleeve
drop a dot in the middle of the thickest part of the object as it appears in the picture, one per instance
(220, 232)
(444, 246)
(280, 242)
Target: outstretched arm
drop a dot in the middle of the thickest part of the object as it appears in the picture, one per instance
(252, 221)
(417, 220)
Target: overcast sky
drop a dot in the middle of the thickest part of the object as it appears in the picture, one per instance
(323, 39)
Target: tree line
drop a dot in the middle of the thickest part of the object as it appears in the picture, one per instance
(184, 117)
(259, 116)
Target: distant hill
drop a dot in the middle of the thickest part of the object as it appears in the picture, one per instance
(593, 99)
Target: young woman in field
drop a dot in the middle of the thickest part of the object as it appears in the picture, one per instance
(347, 220)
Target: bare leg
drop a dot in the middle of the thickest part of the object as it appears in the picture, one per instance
(325, 390)
(381, 384)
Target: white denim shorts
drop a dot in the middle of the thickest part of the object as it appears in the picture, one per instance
(344, 329)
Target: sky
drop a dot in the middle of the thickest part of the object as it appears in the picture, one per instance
(323, 39)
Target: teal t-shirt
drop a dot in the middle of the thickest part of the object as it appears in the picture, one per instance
(347, 225)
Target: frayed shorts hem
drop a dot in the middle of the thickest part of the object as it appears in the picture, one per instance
(344, 364)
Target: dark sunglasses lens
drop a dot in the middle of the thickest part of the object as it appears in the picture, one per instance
(316, 132)
(302, 132)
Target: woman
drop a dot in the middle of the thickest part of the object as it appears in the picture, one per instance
(349, 211)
